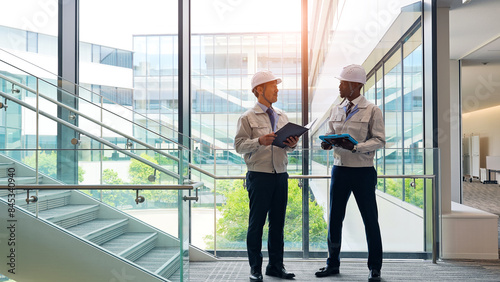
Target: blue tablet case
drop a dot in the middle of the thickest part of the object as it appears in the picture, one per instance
(347, 136)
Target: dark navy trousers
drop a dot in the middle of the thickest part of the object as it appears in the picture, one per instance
(268, 193)
(361, 181)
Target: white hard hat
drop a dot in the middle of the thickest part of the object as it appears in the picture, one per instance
(262, 77)
(353, 73)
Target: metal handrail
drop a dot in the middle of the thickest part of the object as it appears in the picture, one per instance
(91, 119)
(103, 141)
(76, 85)
(108, 187)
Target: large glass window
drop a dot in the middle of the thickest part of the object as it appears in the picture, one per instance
(28, 42)
(392, 56)
(413, 103)
(393, 113)
(228, 46)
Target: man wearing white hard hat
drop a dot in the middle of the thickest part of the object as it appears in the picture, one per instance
(267, 177)
(353, 170)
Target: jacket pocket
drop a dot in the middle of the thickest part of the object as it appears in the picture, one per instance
(337, 123)
(258, 128)
(358, 127)
(338, 117)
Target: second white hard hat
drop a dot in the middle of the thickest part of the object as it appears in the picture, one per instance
(262, 77)
(353, 73)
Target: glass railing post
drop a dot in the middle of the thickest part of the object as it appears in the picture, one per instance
(304, 184)
(215, 216)
(437, 207)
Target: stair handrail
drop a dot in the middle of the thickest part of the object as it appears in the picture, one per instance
(96, 121)
(103, 141)
(10, 97)
(79, 97)
(84, 115)
(185, 186)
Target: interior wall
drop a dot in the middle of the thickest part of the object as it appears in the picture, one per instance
(444, 132)
(485, 124)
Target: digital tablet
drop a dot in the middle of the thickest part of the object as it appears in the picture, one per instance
(328, 138)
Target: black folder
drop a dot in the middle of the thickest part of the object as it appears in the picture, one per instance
(290, 129)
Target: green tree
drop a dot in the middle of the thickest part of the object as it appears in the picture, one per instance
(233, 224)
(115, 198)
(413, 195)
(140, 173)
(47, 164)
(109, 176)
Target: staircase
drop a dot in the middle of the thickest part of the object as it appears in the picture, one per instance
(68, 235)
(98, 228)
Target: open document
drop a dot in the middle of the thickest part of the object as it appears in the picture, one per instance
(290, 129)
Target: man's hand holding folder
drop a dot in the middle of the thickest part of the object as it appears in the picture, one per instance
(290, 130)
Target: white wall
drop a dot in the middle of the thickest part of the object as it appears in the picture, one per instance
(444, 107)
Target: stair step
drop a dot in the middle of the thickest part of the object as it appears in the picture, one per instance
(100, 231)
(4, 167)
(70, 215)
(5, 192)
(82, 221)
(47, 199)
(21, 180)
(157, 258)
(129, 242)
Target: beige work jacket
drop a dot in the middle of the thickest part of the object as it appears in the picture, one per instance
(251, 125)
(365, 124)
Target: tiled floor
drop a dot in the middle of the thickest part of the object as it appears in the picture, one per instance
(356, 270)
(485, 197)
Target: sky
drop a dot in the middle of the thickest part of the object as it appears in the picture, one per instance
(110, 26)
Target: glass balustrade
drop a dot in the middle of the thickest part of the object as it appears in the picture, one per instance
(405, 204)
(153, 238)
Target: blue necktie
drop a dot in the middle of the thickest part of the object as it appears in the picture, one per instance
(271, 117)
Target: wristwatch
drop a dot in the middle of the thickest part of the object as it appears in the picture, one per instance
(354, 149)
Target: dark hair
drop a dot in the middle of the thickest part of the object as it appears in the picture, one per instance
(254, 91)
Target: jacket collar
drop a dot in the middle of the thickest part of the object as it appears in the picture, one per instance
(258, 110)
(362, 103)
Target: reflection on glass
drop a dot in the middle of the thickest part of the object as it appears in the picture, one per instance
(393, 113)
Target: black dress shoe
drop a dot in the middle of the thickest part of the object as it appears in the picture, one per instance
(374, 275)
(255, 275)
(279, 271)
(327, 271)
